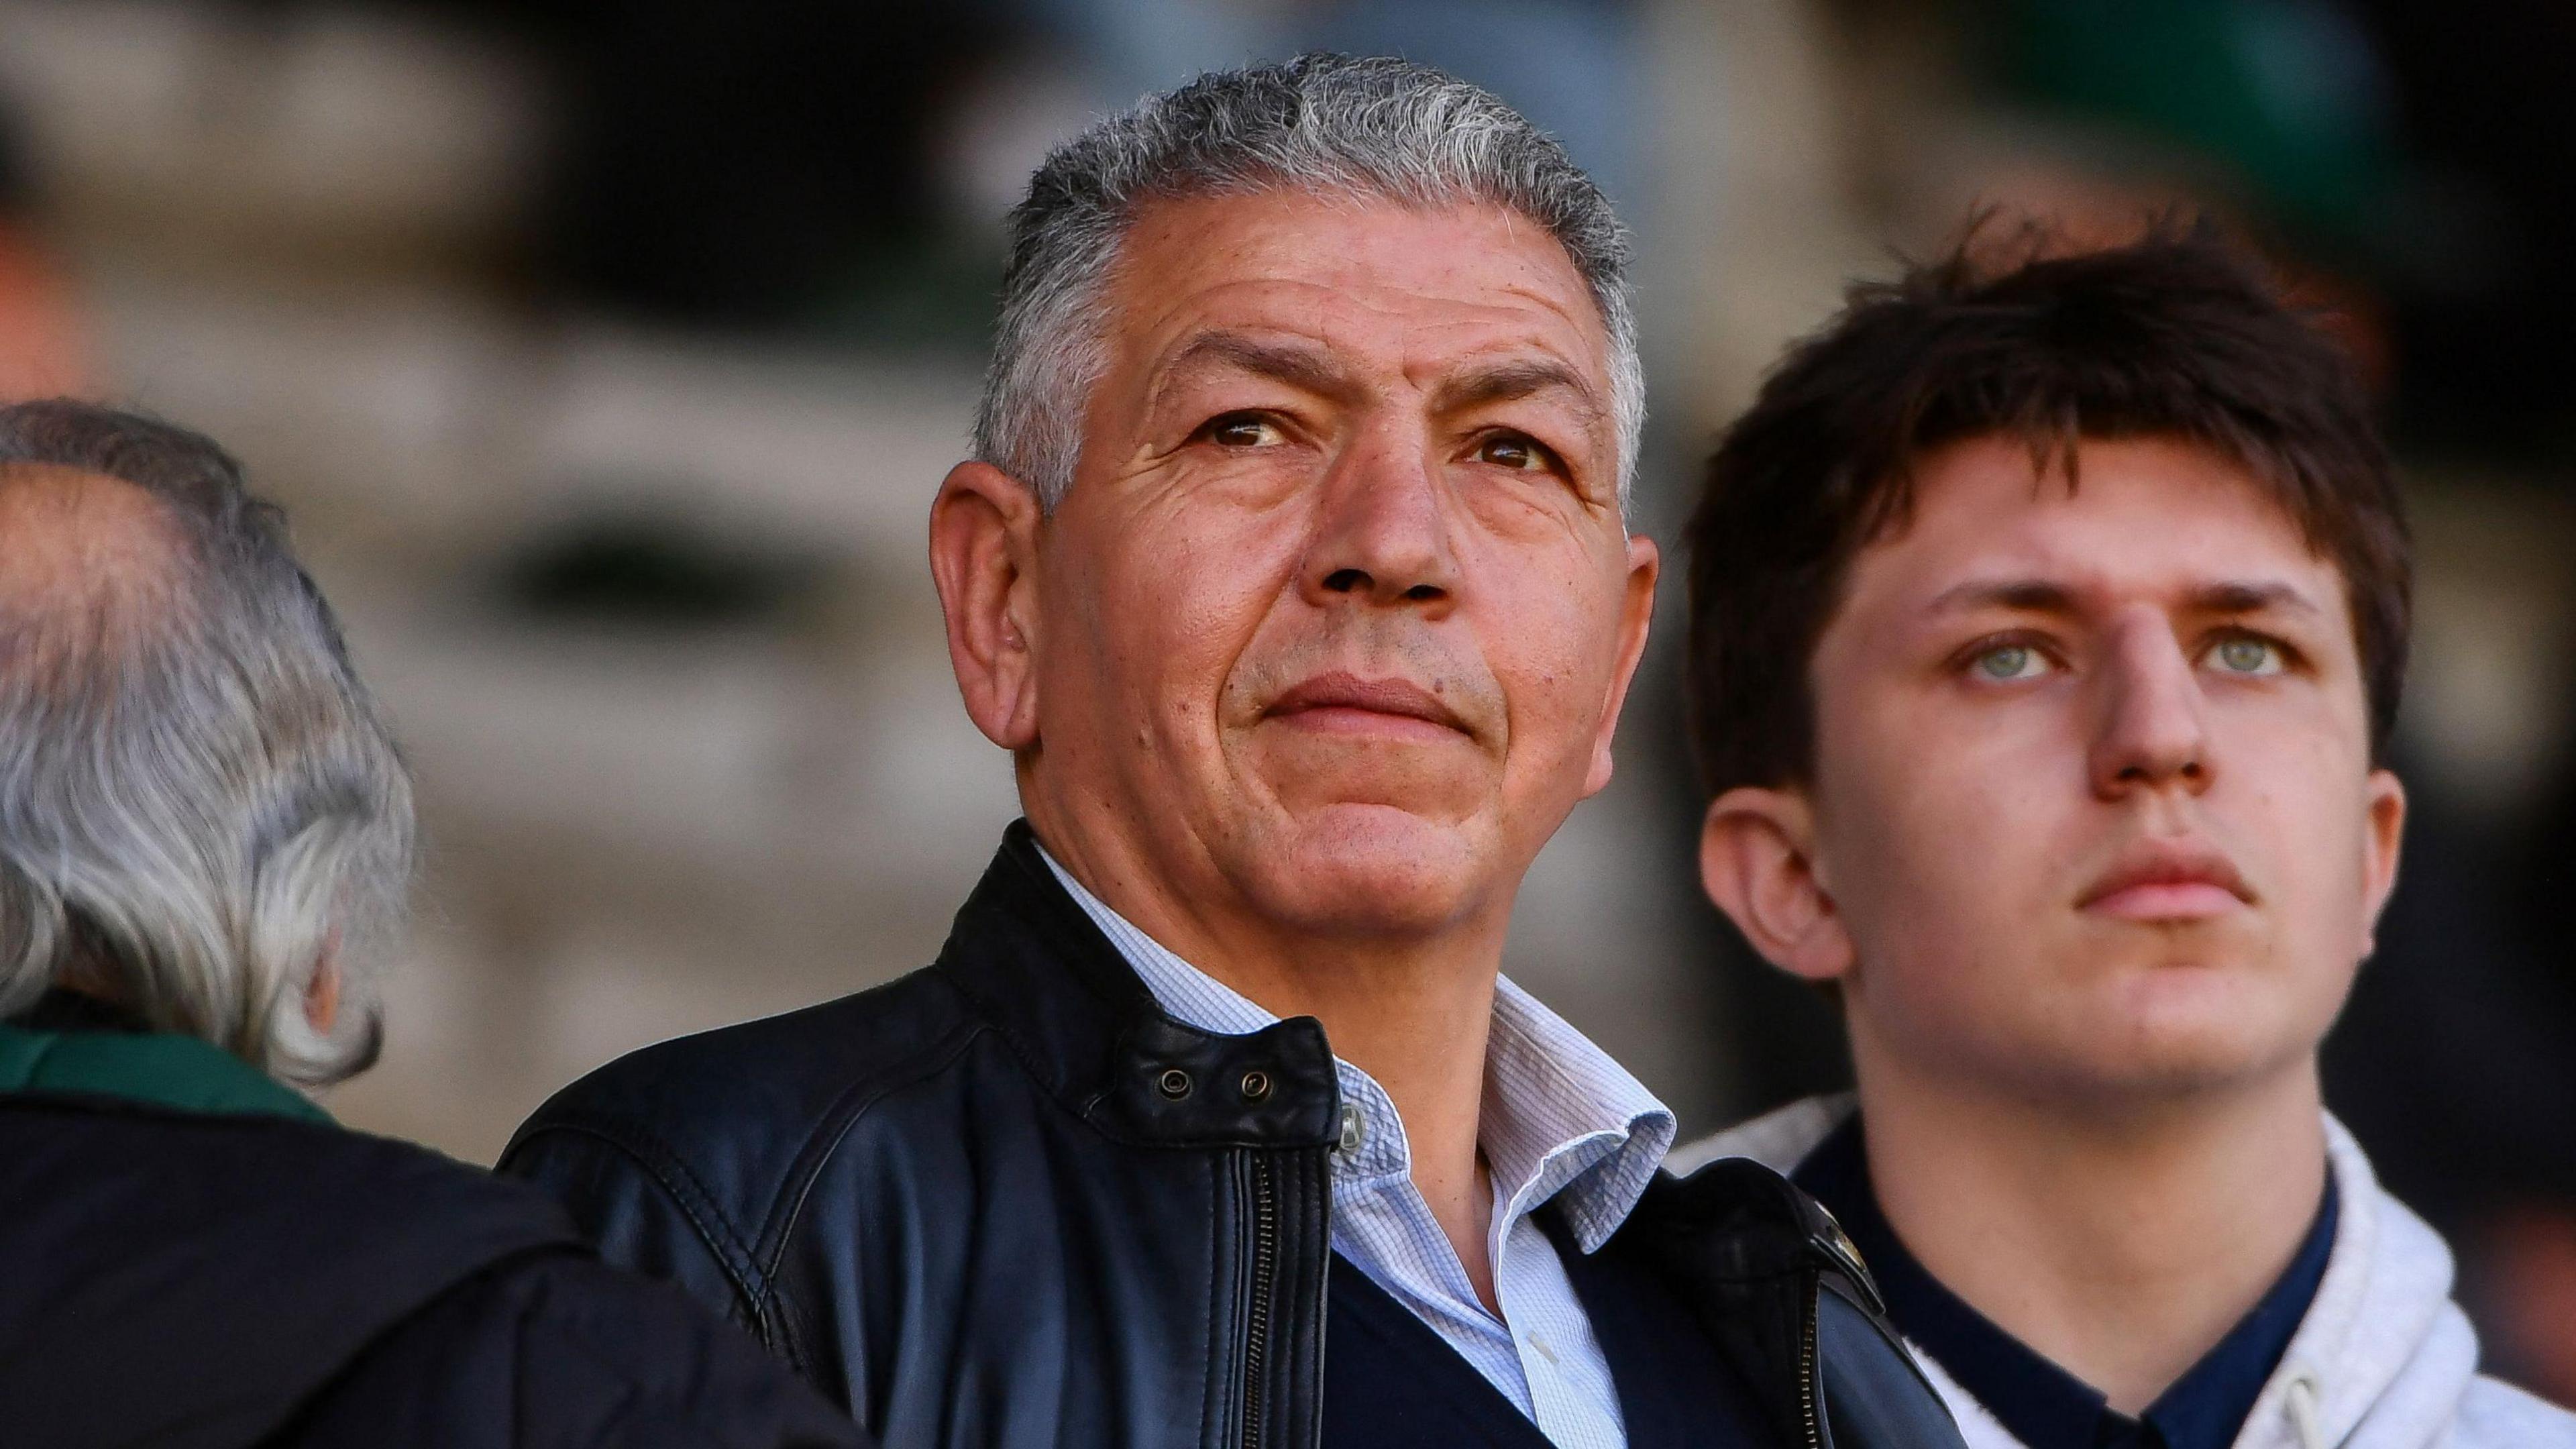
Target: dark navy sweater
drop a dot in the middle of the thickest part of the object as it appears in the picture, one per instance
(1390, 1381)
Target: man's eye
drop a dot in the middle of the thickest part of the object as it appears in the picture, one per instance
(2010, 661)
(2245, 655)
(1510, 450)
(1241, 430)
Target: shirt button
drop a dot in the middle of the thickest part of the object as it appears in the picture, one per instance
(1354, 1130)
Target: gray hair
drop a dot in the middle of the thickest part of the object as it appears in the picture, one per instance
(1330, 124)
(198, 803)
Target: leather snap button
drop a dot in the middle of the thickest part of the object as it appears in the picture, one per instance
(1256, 1086)
(1173, 1083)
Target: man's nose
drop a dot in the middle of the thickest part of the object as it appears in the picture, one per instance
(1382, 533)
(2152, 731)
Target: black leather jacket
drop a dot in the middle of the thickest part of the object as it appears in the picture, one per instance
(1005, 1201)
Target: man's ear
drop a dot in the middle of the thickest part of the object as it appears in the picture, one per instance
(2386, 831)
(1636, 613)
(322, 989)
(1757, 860)
(983, 557)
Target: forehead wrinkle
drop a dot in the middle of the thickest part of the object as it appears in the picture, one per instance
(1301, 365)
(1145, 298)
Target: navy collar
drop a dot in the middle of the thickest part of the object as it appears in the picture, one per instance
(2042, 1405)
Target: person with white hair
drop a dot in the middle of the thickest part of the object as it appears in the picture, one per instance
(1293, 571)
(205, 844)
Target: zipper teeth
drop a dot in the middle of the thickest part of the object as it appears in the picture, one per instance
(1807, 1364)
(1265, 1268)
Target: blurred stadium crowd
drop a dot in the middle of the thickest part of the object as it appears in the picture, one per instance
(608, 356)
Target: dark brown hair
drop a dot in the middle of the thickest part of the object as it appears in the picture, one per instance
(2180, 335)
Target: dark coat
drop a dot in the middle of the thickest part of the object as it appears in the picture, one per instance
(188, 1279)
(1006, 1201)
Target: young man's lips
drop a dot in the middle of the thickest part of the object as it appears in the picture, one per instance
(1347, 703)
(2168, 883)
(2169, 901)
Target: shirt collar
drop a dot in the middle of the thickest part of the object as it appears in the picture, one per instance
(1561, 1120)
(2043, 1405)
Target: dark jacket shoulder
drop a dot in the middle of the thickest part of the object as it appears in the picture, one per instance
(697, 1159)
(726, 1125)
(235, 1276)
(756, 1102)
(557, 1349)
(811, 1068)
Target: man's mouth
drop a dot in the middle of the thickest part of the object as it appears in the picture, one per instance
(2168, 880)
(1344, 703)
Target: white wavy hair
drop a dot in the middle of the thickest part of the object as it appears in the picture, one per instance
(1330, 124)
(199, 805)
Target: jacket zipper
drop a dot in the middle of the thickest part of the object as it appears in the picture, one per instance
(1807, 1362)
(1265, 1272)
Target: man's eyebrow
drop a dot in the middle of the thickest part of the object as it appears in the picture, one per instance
(2039, 596)
(2252, 597)
(1306, 368)
(2023, 596)
(1525, 377)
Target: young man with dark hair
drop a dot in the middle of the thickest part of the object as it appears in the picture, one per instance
(2048, 618)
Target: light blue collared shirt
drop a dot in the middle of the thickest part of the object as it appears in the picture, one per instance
(1560, 1121)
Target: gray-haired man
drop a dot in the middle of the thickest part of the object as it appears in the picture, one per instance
(1293, 572)
(205, 836)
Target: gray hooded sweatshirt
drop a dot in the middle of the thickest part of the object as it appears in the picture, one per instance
(2383, 1360)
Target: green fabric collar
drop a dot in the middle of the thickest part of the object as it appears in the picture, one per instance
(160, 1068)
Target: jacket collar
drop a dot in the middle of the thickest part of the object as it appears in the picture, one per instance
(1561, 1121)
(1041, 973)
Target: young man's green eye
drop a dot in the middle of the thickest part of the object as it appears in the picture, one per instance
(2011, 661)
(2247, 656)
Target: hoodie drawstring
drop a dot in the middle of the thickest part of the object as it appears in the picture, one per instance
(2300, 1400)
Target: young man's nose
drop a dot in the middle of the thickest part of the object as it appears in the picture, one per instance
(2151, 729)
(1382, 532)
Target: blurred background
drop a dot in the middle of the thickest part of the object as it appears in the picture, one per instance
(607, 357)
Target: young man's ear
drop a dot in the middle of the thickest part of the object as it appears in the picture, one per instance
(2387, 805)
(1757, 860)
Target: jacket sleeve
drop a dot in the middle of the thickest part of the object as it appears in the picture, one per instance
(644, 1210)
(557, 1351)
